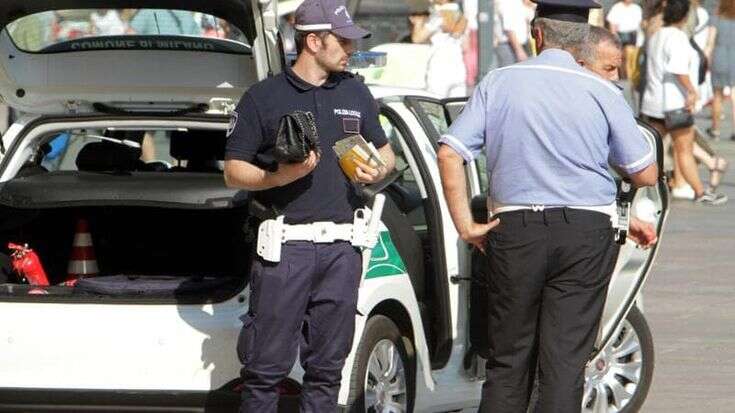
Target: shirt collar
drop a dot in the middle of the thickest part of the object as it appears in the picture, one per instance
(558, 56)
(304, 86)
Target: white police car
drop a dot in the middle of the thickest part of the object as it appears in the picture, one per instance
(125, 130)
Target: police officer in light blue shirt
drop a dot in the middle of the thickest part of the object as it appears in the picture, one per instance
(549, 129)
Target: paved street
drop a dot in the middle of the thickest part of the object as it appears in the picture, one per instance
(690, 304)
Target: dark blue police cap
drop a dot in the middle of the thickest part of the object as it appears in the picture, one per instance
(566, 10)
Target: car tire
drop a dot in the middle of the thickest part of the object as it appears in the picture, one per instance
(381, 342)
(632, 347)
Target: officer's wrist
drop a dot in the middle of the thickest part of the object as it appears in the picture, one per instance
(274, 179)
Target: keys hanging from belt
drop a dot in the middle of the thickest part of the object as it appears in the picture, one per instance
(625, 199)
(621, 232)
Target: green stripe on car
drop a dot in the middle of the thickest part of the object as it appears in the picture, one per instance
(385, 260)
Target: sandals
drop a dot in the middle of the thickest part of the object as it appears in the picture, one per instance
(716, 173)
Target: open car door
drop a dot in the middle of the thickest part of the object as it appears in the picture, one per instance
(633, 264)
(160, 55)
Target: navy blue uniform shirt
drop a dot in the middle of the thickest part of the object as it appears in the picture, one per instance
(342, 106)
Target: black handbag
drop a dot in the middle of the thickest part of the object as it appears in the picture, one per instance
(297, 136)
(678, 119)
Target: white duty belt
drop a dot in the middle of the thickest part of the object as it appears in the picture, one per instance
(317, 232)
(362, 232)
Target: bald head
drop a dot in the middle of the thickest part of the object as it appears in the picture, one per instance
(601, 53)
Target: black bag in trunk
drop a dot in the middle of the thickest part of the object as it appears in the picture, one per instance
(153, 285)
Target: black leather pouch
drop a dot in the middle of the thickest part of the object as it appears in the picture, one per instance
(297, 136)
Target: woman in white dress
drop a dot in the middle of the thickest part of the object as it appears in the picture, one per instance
(446, 73)
(670, 96)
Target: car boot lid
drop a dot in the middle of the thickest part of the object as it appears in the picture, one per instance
(52, 63)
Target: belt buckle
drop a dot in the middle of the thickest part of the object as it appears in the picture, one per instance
(323, 232)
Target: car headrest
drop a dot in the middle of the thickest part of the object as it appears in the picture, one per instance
(206, 145)
(107, 156)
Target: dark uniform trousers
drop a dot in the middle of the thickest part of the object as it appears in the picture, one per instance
(547, 281)
(306, 303)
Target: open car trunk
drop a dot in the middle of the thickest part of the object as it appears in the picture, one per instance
(53, 62)
(191, 250)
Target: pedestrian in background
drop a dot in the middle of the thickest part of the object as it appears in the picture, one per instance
(445, 27)
(723, 62)
(306, 302)
(670, 97)
(511, 32)
(549, 246)
(625, 19)
(471, 45)
(704, 37)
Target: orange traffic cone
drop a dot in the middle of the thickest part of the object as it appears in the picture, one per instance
(82, 262)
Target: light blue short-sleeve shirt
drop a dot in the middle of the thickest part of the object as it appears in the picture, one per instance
(550, 128)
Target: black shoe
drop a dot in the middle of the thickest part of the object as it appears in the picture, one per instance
(713, 133)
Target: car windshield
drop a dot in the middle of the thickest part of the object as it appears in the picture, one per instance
(87, 29)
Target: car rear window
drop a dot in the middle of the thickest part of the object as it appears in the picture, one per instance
(100, 29)
(169, 150)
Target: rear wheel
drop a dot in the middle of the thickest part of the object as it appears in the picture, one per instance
(618, 379)
(383, 374)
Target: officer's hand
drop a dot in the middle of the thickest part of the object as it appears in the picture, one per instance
(476, 233)
(290, 172)
(642, 233)
(366, 174)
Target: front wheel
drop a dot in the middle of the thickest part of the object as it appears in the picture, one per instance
(618, 379)
(383, 374)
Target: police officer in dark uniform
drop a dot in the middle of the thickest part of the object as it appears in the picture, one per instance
(549, 129)
(307, 300)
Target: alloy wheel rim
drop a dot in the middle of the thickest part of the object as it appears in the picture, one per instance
(612, 378)
(385, 380)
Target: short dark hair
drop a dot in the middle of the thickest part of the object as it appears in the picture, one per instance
(300, 39)
(675, 11)
(562, 34)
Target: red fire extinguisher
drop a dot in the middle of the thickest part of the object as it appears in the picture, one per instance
(27, 264)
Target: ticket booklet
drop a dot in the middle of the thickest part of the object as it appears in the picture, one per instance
(355, 148)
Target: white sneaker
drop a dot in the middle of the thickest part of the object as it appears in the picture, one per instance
(683, 192)
(711, 198)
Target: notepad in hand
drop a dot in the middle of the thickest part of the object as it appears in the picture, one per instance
(354, 149)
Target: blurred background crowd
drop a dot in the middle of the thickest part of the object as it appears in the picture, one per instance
(445, 46)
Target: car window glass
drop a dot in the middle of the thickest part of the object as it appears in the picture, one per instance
(405, 189)
(99, 29)
(434, 111)
(60, 151)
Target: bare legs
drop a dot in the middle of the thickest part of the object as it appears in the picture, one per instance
(685, 166)
(683, 140)
(714, 131)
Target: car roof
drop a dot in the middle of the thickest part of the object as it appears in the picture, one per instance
(380, 91)
(238, 12)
